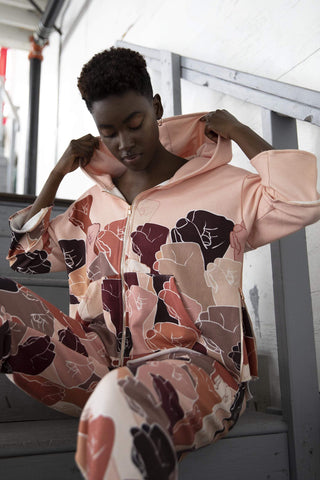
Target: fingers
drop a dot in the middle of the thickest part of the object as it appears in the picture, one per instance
(82, 148)
(209, 130)
(78, 153)
(219, 122)
(210, 133)
(208, 116)
(87, 143)
(88, 140)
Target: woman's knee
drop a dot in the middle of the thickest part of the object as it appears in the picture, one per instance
(107, 396)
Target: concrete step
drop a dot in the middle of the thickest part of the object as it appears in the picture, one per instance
(46, 447)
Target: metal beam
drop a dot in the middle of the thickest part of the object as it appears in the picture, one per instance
(30, 178)
(272, 87)
(295, 330)
(286, 106)
(170, 83)
(286, 99)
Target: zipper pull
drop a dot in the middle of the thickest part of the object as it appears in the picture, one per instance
(129, 210)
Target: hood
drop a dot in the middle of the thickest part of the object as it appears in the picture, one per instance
(182, 135)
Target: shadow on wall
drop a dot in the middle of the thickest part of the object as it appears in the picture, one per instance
(260, 388)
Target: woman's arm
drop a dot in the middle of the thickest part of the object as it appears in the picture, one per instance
(79, 152)
(223, 123)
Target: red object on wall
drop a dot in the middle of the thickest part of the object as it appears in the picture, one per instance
(3, 68)
(3, 61)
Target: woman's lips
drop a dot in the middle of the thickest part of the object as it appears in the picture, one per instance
(131, 158)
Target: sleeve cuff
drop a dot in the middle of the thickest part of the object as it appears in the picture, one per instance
(18, 224)
(291, 174)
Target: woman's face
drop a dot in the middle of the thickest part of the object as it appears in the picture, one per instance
(127, 124)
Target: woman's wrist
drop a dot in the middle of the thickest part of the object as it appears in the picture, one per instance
(240, 132)
(249, 141)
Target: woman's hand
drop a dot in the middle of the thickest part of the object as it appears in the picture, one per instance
(78, 153)
(227, 126)
(220, 122)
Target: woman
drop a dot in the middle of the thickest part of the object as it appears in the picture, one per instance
(157, 350)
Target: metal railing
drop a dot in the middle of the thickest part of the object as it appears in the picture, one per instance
(283, 98)
(282, 105)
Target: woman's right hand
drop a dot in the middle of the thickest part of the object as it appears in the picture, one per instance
(78, 153)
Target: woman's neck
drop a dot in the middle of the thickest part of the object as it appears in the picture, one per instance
(131, 183)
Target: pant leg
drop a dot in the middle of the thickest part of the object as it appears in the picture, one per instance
(139, 417)
(51, 356)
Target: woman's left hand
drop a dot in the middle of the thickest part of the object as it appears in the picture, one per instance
(220, 122)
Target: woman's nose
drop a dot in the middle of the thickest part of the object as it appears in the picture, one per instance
(125, 141)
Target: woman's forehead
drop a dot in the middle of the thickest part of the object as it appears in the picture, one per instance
(118, 108)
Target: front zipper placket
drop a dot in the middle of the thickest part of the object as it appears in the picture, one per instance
(126, 236)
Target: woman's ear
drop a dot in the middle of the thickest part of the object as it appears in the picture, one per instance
(157, 106)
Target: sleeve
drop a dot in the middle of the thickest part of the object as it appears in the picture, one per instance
(282, 197)
(34, 247)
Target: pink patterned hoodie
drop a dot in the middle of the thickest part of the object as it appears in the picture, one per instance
(165, 272)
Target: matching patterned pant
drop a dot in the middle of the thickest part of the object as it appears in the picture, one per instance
(135, 420)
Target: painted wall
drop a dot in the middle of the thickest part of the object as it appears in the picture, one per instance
(278, 39)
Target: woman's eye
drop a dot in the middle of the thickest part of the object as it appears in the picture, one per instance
(135, 122)
(107, 134)
(135, 127)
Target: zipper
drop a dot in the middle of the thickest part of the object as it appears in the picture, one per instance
(122, 261)
(123, 288)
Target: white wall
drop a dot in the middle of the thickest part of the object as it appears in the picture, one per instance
(278, 39)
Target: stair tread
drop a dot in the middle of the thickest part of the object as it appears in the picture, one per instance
(32, 437)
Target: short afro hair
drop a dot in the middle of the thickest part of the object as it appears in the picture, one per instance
(113, 72)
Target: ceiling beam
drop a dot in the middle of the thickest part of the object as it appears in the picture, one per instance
(16, 17)
(14, 37)
(25, 4)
